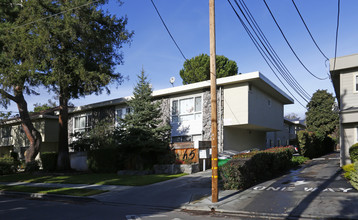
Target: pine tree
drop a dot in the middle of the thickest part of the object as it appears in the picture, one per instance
(144, 135)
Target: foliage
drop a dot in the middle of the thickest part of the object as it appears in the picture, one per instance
(263, 165)
(197, 69)
(5, 115)
(354, 176)
(143, 135)
(312, 146)
(42, 107)
(32, 166)
(103, 160)
(321, 116)
(348, 170)
(292, 116)
(298, 160)
(353, 152)
(245, 155)
(49, 160)
(8, 165)
(102, 135)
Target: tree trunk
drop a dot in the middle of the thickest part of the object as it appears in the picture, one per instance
(63, 161)
(32, 134)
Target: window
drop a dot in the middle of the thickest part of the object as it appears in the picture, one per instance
(278, 142)
(82, 123)
(181, 139)
(187, 109)
(121, 112)
(6, 132)
(269, 102)
(356, 83)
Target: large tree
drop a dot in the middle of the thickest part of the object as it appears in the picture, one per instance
(20, 70)
(145, 136)
(197, 69)
(81, 51)
(322, 116)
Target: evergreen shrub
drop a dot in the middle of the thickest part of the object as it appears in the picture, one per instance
(354, 176)
(7, 165)
(49, 160)
(32, 166)
(353, 152)
(103, 160)
(348, 170)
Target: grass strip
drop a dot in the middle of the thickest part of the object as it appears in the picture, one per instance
(90, 178)
(52, 190)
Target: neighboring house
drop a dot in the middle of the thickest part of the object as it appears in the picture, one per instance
(287, 135)
(344, 74)
(249, 105)
(13, 138)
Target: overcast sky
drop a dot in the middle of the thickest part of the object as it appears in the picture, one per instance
(188, 21)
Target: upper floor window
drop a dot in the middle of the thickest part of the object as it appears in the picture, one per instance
(82, 123)
(6, 132)
(356, 83)
(121, 112)
(187, 109)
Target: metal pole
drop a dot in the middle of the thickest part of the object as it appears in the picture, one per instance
(214, 131)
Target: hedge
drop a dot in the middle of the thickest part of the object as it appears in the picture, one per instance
(49, 160)
(8, 165)
(244, 172)
(354, 176)
(311, 145)
(353, 152)
(103, 160)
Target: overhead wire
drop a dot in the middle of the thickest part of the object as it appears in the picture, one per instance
(308, 30)
(289, 45)
(171, 36)
(261, 51)
(335, 47)
(286, 74)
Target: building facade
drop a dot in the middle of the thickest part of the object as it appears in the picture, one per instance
(344, 74)
(248, 105)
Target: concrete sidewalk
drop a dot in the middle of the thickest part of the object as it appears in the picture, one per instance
(317, 190)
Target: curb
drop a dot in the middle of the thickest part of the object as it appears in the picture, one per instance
(50, 197)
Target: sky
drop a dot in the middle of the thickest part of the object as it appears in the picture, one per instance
(153, 50)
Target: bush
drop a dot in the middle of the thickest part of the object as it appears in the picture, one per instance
(348, 170)
(8, 165)
(354, 176)
(312, 145)
(230, 174)
(103, 160)
(298, 160)
(32, 166)
(49, 160)
(353, 152)
(263, 165)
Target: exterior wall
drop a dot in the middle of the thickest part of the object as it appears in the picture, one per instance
(264, 110)
(348, 97)
(236, 105)
(348, 138)
(242, 139)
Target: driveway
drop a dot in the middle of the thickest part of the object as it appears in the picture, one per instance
(317, 190)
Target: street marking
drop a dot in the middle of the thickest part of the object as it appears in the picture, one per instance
(300, 182)
(306, 189)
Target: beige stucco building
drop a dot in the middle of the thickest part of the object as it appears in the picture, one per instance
(344, 74)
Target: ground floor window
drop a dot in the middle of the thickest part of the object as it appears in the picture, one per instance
(181, 139)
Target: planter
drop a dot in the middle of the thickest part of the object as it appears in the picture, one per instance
(176, 168)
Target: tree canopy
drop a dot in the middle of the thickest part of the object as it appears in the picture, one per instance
(321, 115)
(197, 69)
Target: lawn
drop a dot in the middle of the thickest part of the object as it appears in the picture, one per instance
(91, 178)
(52, 190)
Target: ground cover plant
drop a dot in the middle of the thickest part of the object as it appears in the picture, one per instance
(52, 190)
(89, 178)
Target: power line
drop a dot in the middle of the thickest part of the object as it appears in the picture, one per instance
(259, 48)
(283, 70)
(309, 32)
(304, 66)
(335, 47)
(171, 36)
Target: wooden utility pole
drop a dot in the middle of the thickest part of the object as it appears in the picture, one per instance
(214, 130)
